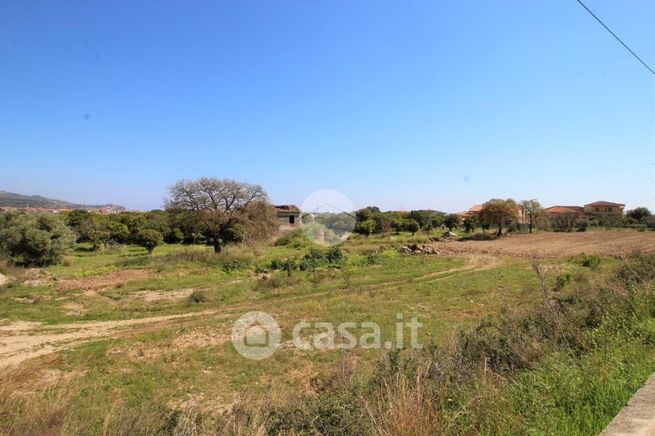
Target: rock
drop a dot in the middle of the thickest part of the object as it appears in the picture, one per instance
(449, 234)
(3, 279)
(418, 249)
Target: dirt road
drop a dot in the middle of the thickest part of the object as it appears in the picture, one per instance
(22, 340)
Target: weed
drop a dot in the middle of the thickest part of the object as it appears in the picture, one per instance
(197, 296)
(589, 261)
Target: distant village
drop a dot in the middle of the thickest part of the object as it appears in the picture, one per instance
(102, 210)
(597, 209)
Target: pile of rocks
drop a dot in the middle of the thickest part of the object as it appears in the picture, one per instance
(418, 249)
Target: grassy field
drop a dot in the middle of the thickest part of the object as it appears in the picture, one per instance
(108, 339)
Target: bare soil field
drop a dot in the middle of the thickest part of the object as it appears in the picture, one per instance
(557, 244)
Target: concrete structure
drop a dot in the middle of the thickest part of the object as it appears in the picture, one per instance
(289, 217)
(638, 417)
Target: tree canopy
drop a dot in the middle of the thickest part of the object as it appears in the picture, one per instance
(639, 213)
(224, 210)
(532, 211)
(497, 211)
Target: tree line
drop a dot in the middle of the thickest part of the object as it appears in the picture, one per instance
(207, 210)
(496, 212)
(499, 214)
(222, 211)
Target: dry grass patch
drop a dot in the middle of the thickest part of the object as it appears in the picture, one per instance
(110, 280)
(163, 295)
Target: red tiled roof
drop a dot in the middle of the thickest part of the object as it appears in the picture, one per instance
(476, 208)
(565, 209)
(604, 203)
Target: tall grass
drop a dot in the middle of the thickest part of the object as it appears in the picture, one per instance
(566, 366)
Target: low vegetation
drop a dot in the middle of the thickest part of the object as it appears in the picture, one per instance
(535, 354)
(512, 344)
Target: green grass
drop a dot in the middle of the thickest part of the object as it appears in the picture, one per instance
(162, 370)
(572, 396)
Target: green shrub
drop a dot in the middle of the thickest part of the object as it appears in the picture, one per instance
(150, 239)
(233, 265)
(295, 239)
(590, 261)
(562, 280)
(36, 239)
(637, 269)
(335, 255)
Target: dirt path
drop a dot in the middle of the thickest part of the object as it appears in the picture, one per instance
(23, 340)
(20, 341)
(638, 417)
(475, 262)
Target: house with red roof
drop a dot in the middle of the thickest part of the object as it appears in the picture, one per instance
(475, 209)
(604, 208)
(577, 211)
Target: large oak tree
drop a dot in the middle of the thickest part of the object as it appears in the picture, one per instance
(497, 211)
(224, 210)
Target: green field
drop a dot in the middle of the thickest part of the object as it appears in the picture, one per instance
(176, 374)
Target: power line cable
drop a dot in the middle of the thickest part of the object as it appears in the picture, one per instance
(617, 38)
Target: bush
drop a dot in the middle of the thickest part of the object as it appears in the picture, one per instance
(366, 228)
(562, 280)
(295, 239)
(197, 297)
(335, 255)
(311, 261)
(149, 239)
(37, 239)
(233, 265)
(590, 261)
(581, 225)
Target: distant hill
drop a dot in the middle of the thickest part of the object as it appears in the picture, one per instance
(9, 199)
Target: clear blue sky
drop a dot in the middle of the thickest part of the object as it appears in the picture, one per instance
(431, 104)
